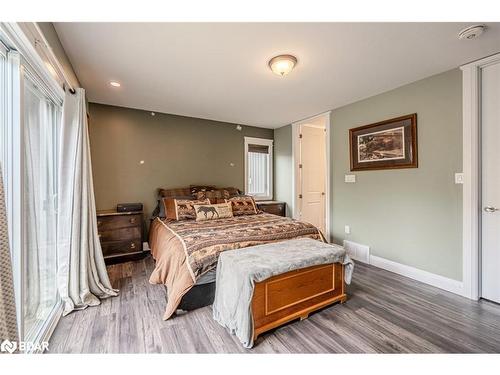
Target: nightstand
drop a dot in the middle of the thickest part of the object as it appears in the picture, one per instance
(272, 207)
(121, 235)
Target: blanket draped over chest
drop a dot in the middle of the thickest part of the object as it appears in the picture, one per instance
(239, 270)
(185, 250)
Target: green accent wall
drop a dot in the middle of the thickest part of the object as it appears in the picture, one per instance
(283, 166)
(177, 151)
(409, 216)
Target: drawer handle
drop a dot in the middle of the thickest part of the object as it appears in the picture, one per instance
(132, 245)
(132, 220)
(99, 222)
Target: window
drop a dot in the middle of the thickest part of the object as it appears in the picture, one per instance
(3, 101)
(259, 168)
(30, 119)
(40, 129)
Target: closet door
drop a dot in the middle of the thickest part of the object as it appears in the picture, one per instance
(490, 249)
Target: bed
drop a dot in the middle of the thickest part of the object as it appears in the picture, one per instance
(186, 252)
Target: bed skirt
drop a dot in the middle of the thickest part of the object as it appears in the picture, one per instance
(198, 296)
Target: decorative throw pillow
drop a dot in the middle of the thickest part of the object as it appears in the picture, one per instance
(196, 188)
(213, 211)
(215, 196)
(181, 209)
(174, 193)
(243, 205)
(232, 191)
(160, 210)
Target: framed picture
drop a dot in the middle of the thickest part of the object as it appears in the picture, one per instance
(388, 144)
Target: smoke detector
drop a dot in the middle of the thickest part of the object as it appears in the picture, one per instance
(471, 32)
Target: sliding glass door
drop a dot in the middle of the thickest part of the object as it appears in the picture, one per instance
(30, 120)
(41, 121)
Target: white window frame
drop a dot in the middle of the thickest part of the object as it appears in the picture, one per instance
(24, 59)
(261, 142)
(12, 174)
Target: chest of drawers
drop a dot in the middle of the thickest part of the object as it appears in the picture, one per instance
(121, 235)
(272, 207)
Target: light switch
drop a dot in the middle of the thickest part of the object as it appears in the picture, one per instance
(459, 178)
(347, 229)
(350, 178)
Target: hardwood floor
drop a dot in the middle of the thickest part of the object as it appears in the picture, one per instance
(385, 313)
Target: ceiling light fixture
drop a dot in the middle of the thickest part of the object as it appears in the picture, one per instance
(282, 64)
(471, 32)
(115, 84)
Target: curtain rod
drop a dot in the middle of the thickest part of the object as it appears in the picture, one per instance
(5, 45)
(43, 42)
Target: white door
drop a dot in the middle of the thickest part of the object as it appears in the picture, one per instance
(312, 175)
(490, 249)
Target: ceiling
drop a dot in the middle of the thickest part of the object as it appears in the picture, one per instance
(219, 71)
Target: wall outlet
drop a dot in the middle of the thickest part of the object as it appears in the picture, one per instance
(459, 178)
(347, 229)
(350, 178)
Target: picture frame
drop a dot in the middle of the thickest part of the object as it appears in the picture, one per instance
(388, 144)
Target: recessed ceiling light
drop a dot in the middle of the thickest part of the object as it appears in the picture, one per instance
(115, 84)
(282, 64)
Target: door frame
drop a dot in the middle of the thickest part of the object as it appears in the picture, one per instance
(295, 168)
(471, 164)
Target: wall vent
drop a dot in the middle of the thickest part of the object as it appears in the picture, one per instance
(357, 251)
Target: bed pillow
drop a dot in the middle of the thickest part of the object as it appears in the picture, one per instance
(215, 196)
(194, 189)
(181, 209)
(160, 211)
(213, 211)
(243, 205)
(232, 191)
(174, 193)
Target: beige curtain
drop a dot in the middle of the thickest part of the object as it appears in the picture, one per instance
(82, 276)
(8, 321)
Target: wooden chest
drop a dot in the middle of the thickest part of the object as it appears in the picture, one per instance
(296, 294)
(272, 207)
(121, 235)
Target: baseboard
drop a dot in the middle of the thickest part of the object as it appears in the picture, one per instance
(450, 285)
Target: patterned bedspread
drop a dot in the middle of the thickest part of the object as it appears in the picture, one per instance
(204, 240)
(191, 248)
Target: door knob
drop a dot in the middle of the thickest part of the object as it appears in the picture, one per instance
(490, 209)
